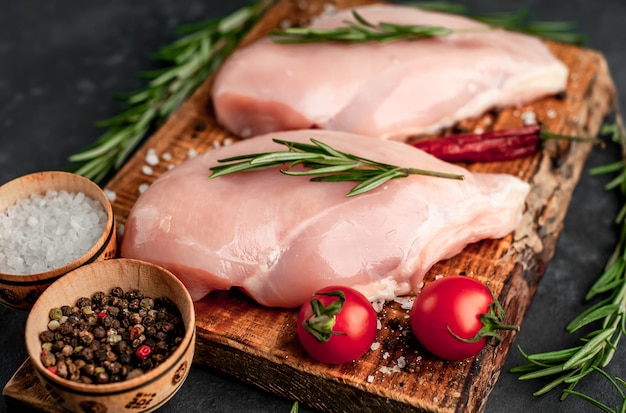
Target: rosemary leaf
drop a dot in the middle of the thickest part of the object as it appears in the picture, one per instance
(376, 181)
(589, 317)
(594, 402)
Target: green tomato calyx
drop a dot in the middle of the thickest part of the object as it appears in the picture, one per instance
(321, 323)
(492, 322)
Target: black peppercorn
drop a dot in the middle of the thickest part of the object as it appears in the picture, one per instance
(46, 336)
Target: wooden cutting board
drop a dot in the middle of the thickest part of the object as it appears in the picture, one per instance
(259, 345)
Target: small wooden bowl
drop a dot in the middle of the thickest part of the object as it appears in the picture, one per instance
(145, 393)
(20, 291)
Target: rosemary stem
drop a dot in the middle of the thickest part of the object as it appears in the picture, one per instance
(417, 171)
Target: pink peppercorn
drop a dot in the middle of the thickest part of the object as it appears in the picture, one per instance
(143, 352)
(101, 315)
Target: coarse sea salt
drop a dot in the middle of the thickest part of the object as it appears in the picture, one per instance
(44, 232)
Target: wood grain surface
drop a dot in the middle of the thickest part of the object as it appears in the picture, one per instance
(258, 345)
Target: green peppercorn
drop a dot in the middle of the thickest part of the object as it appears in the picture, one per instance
(146, 303)
(55, 313)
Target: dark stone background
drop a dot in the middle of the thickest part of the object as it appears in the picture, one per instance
(61, 62)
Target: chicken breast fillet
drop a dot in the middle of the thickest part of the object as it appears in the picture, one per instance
(280, 238)
(390, 90)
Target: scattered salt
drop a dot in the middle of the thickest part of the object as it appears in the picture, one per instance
(143, 188)
(378, 305)
(370, 378)
(44, 232)
(146, 170)
(551, 113)
(111, 195)
(151, 157)
(166, 156)
(227, 142)
(192, 153)
(406, 303)
(529, 117)
(389, 370)
(401, 362)
(375, 346)
(217, 144)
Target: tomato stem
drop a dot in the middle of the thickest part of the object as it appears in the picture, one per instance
(492, 321)
(321, 323)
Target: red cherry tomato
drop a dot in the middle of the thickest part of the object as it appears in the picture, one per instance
(454, 317)
(338, 325)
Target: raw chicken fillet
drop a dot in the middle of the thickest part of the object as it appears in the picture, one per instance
(280, 238)
(390, 90)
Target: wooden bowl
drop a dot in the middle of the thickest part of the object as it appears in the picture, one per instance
(145, 393)
(20, 291)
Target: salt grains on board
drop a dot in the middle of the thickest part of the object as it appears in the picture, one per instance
(44, 232)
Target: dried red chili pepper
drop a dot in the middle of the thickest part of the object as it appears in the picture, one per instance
(499, 145)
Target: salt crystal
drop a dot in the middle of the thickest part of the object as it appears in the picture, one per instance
(227, 142)
(44, 232)
(146, 170)
(151, 157)
(192, 153)
(401, 362)
(370, 378)
(217, 144)
(378, 305)
(111, 195)
(143, 188)
(529, 117)
(375, 346)
(166, 156)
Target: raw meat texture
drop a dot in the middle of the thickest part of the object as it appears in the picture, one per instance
(280, 238)
(390, 90)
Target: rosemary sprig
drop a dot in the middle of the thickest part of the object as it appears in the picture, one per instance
(519, 21)
(189, 61)
(325, 164)
(358, 31)
(361, 30)
(569, 366)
